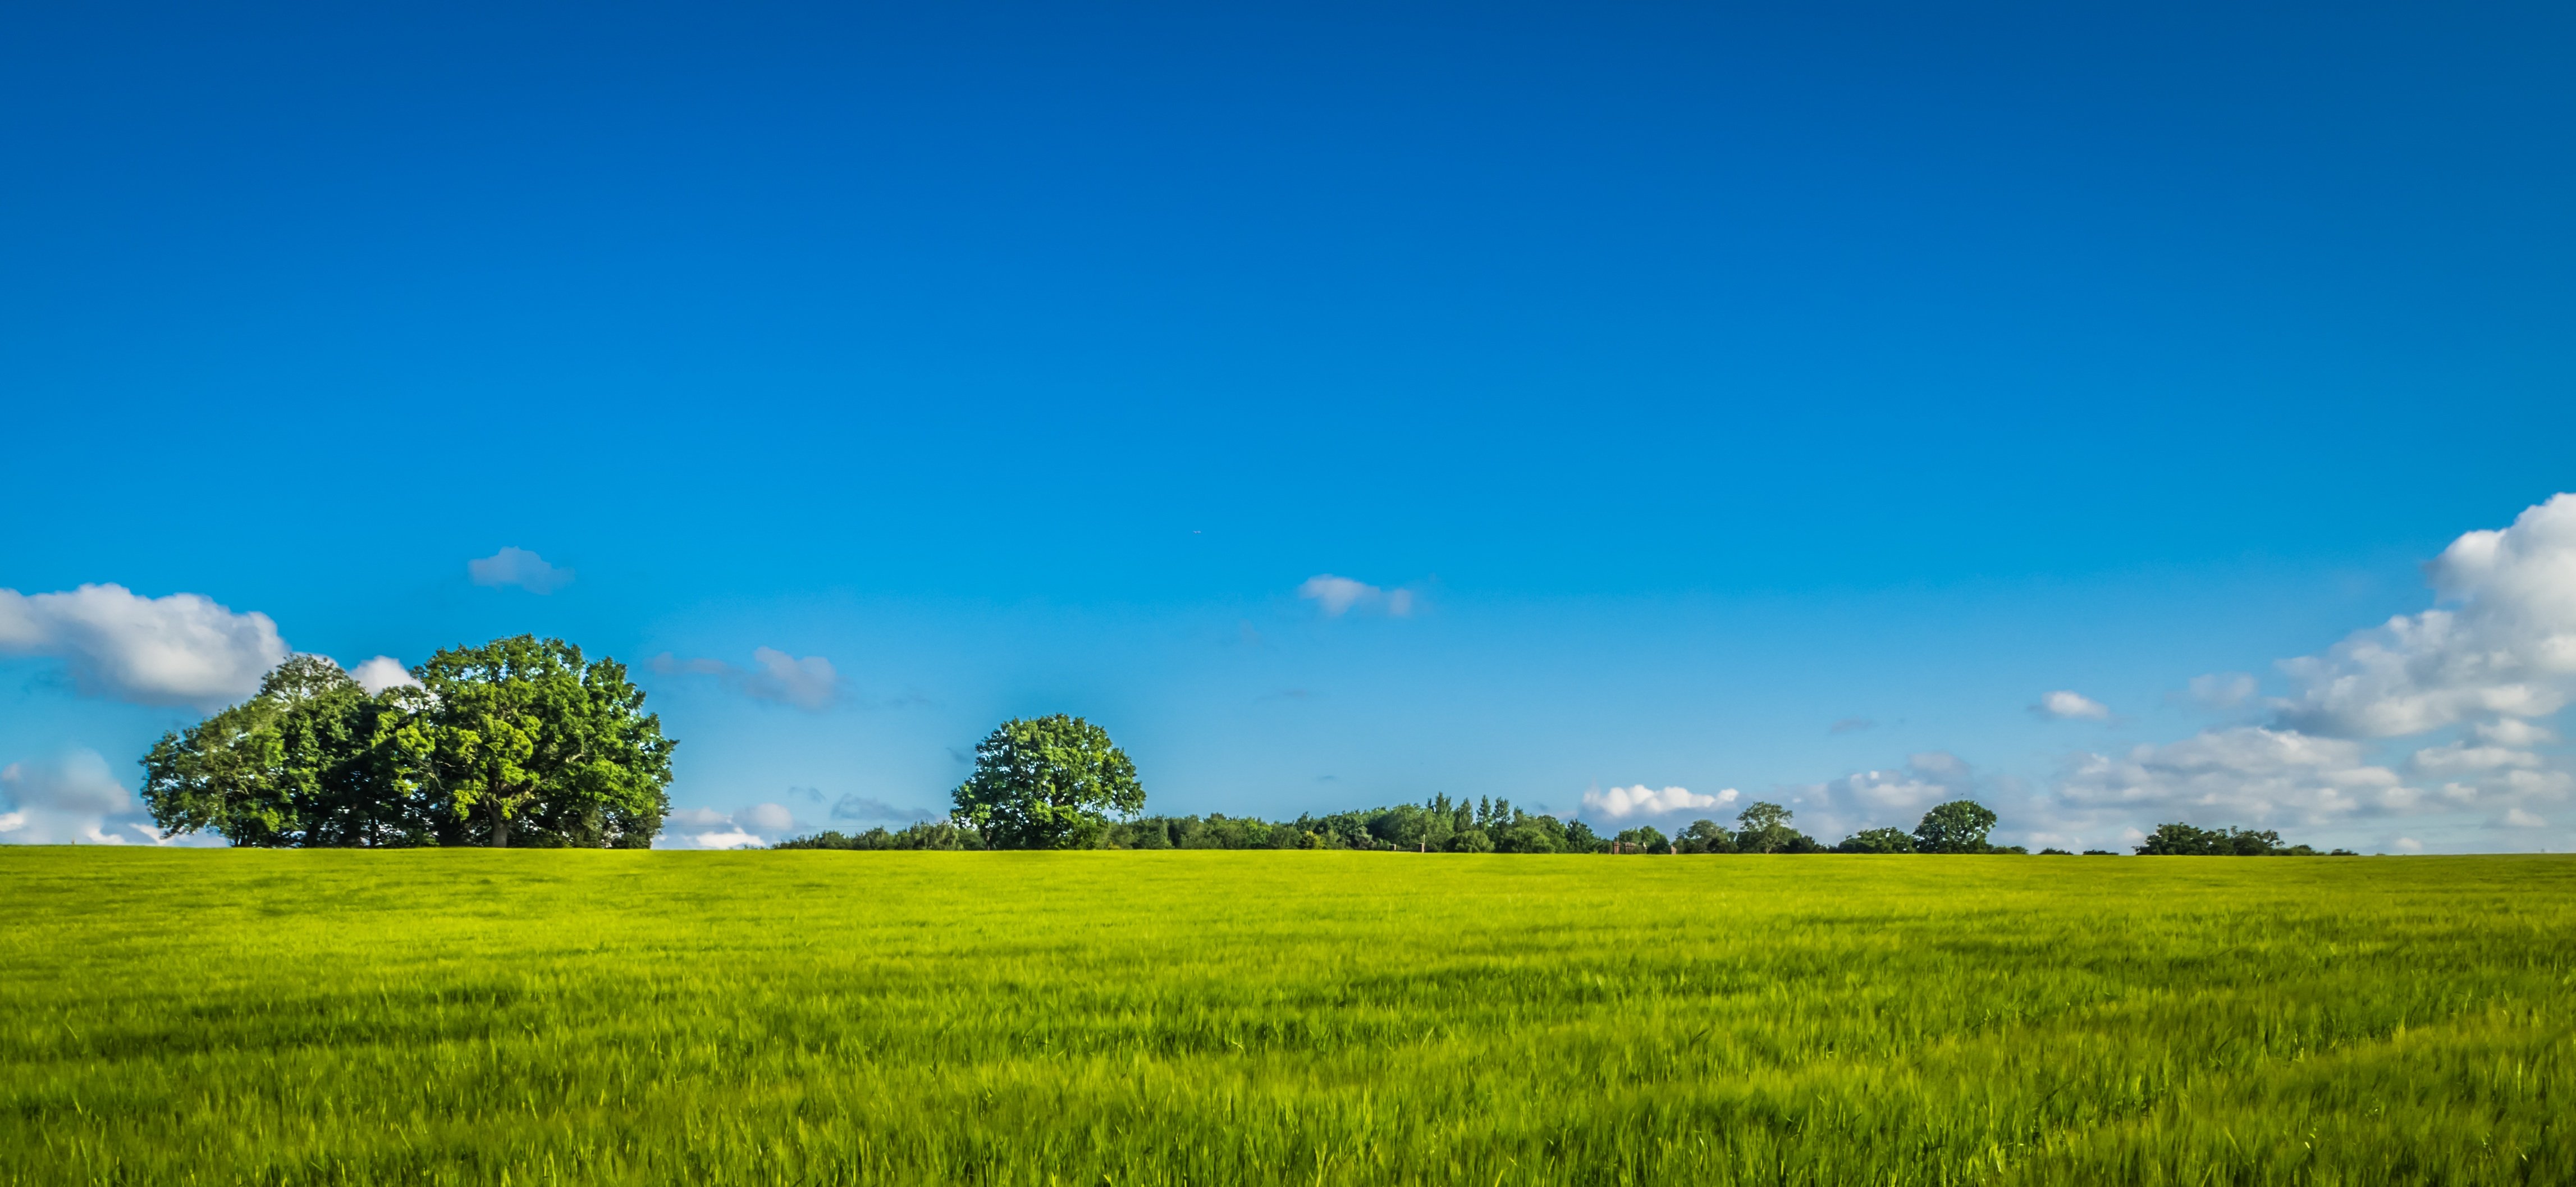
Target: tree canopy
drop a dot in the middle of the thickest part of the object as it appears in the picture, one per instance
(519, 738)
(523, 735)
(305, 761)
(1048, 783)
(2183, 840)
(1959, 826)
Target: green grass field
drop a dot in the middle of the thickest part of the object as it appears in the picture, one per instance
(1289, 1017)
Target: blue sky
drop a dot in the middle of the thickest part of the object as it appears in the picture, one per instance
(1732, 400)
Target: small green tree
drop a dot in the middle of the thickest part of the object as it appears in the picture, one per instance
(1959, 826)
(1048, 783)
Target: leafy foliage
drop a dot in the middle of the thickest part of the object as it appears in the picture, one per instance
(1960, 826)
(1048, 783)
(1763, 827)
(308, 760)
(518, 736)
(2183, 840)
(1877, 840)
(521, 734)
(939, 834)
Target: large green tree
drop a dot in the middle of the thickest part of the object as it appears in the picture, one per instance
(305, 761)
(1959, 826)
(523, 739)
(1048, 783)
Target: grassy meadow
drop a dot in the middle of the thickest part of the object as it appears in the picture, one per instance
(543, 1016)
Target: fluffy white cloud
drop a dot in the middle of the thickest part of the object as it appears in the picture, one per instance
(2518, 818)
(2068, 705)
(381, 673)
(2247, 775)
(1337, 596)
(2507, 651)
(182, 649)
(706, 828)
(74, 799)
(1870, 799)
(519, 567)
(2513, 731)
(775, 676)
(2460, 756)
(1621, 803)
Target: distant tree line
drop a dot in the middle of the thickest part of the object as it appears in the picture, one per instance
(1059, 783)
(2182, 840)
(518, 741)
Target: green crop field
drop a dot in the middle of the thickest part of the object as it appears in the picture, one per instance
(1191, 1017)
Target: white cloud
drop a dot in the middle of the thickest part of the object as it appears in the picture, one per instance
(519, 567)
(1620, 803)
(2513, 731)
(1869, 799)
(2224, 690)
(706, 828)
(2518, 818)
(2460, 756)
(182, 649)
(775, 676)
(1337, 596)
(73, 799)
(2507, 651)
(2245, 775)
(381, 673)
(2066, 705)
(2407, 845)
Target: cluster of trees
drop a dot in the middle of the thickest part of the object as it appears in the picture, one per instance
(2182, 840)
(517, 741)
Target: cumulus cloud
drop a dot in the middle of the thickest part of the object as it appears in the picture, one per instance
(381, 673)
(1337, 596)
(706, 828)
(1621, 803)
(2248, 775)
(2495, 653)
(1868, 799)
(181, 649)
(74, 799)
(774, 676)
(518, 567)
(2460, 756)
(2517, 818)
(767, 818)
(2068, 705)
(2507, 650)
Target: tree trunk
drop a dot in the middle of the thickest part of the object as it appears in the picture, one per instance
(500, 824)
